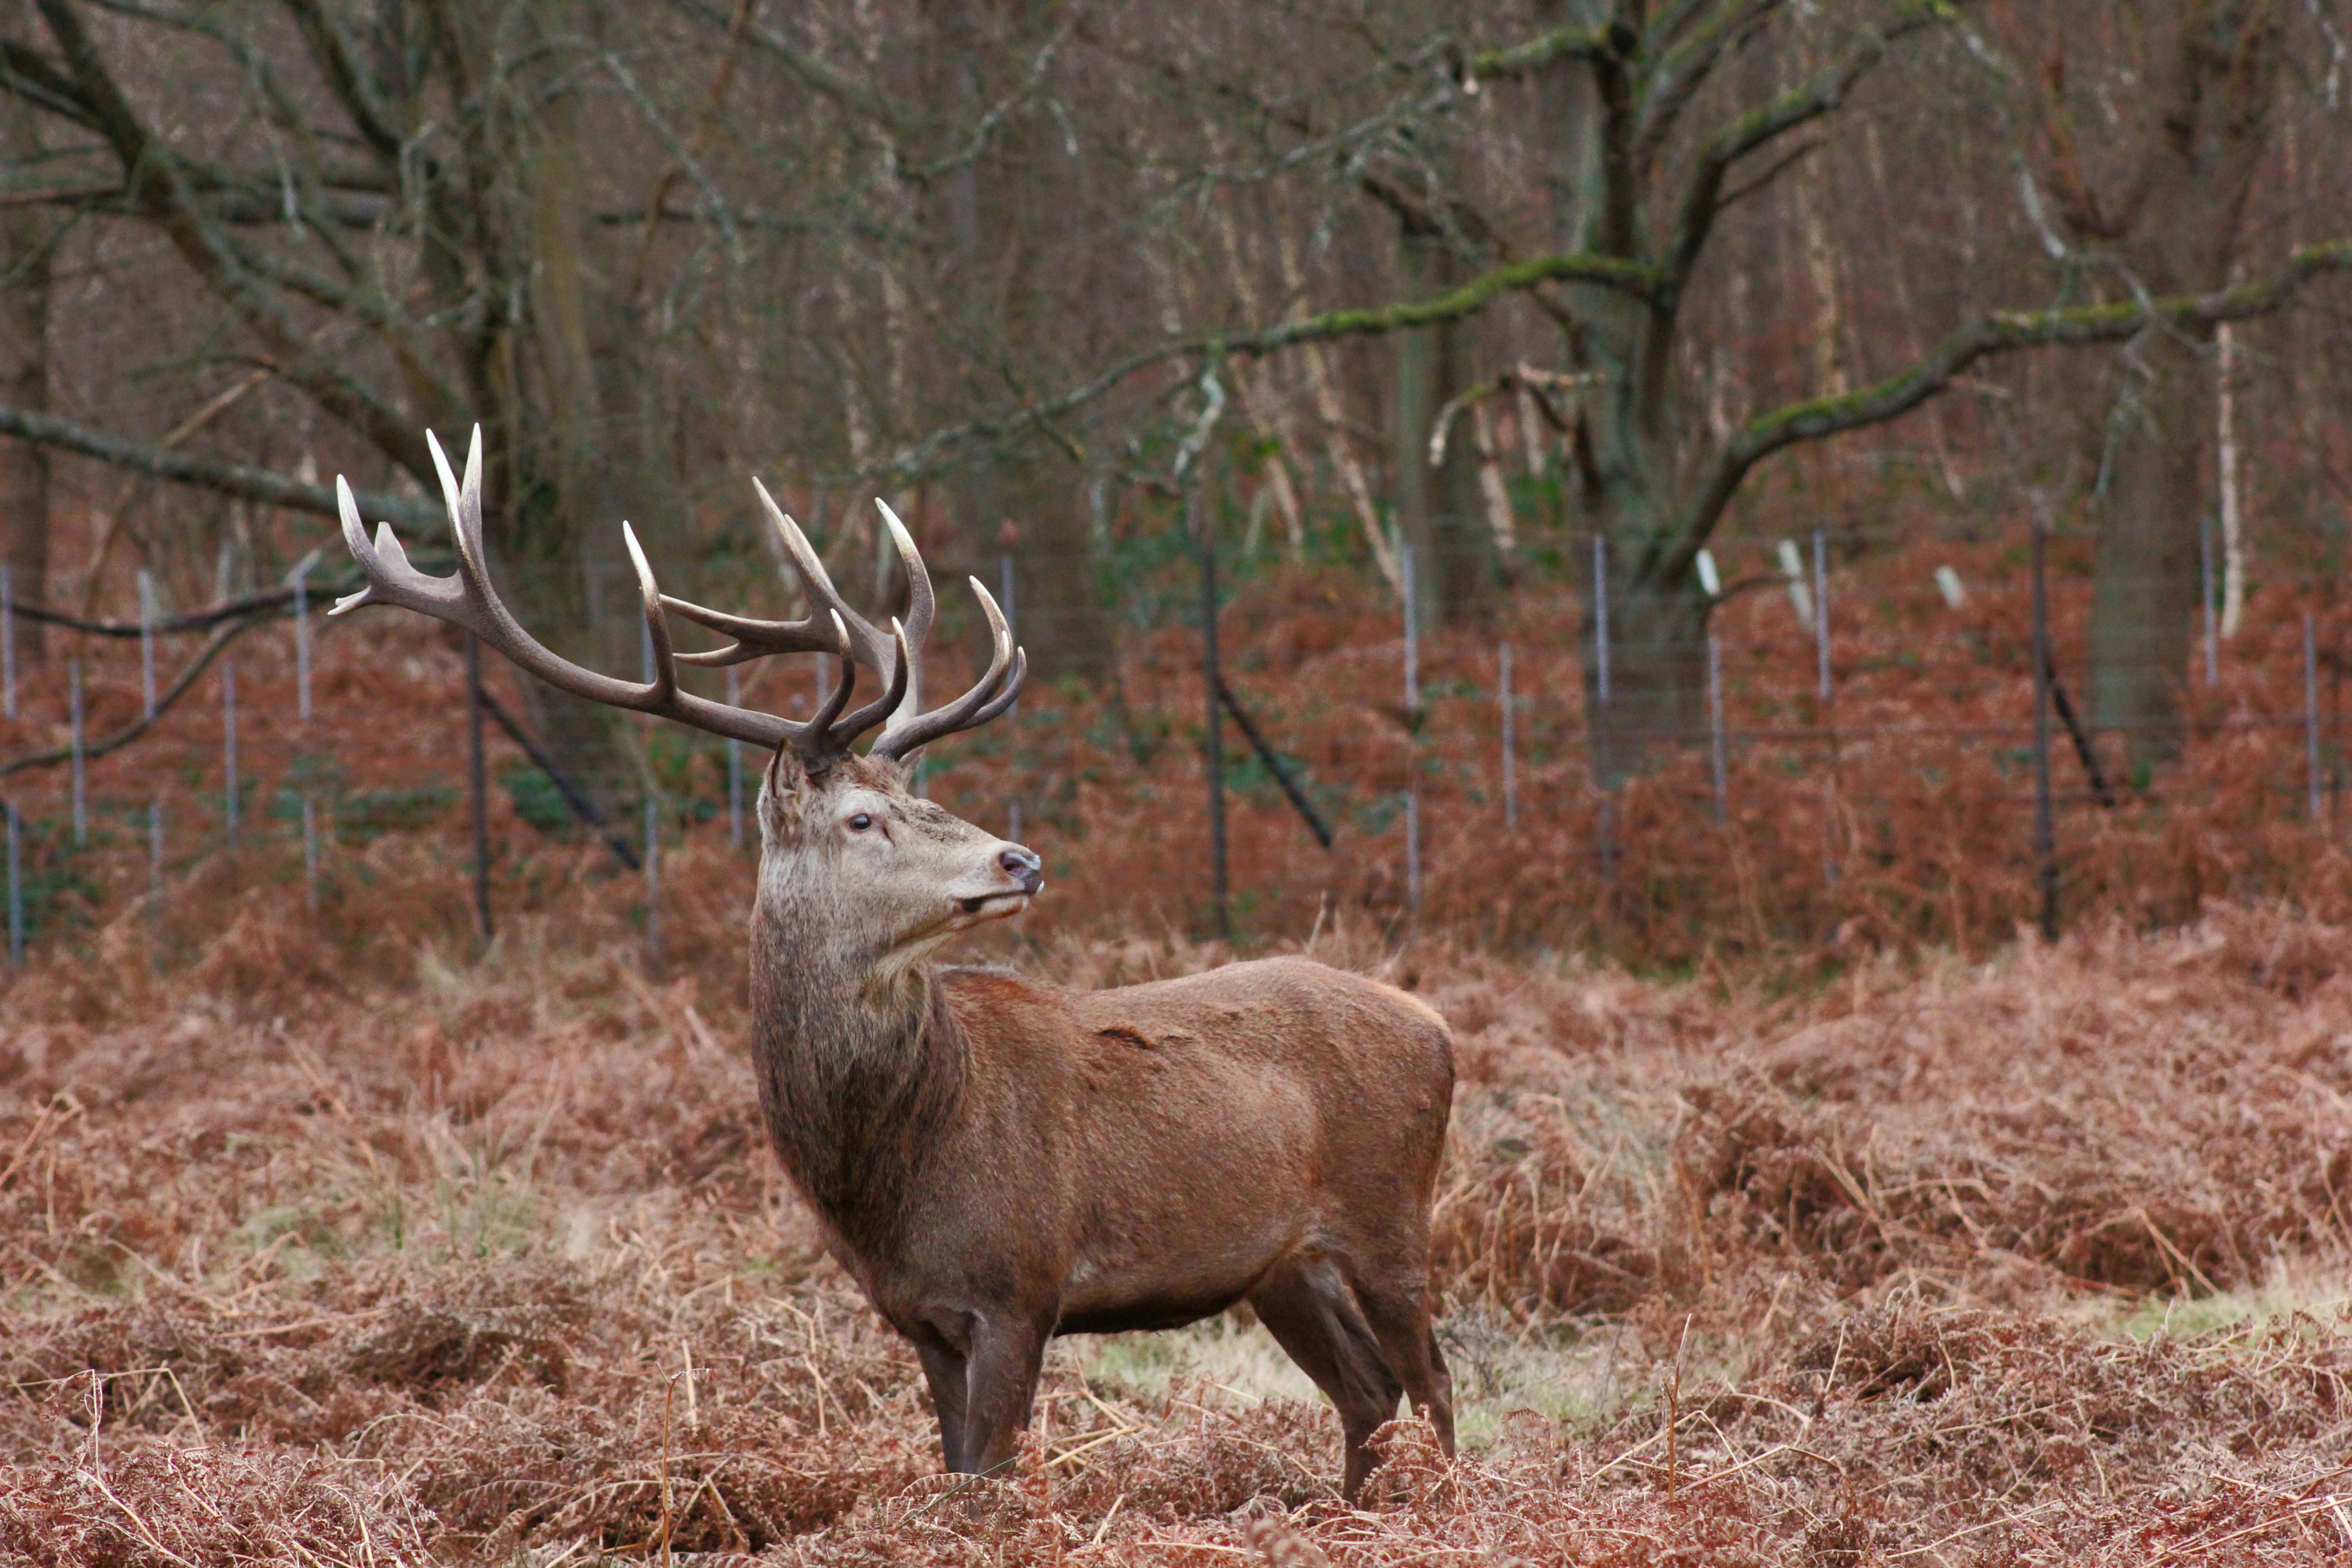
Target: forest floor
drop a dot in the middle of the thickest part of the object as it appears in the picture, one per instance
(2033, 1257)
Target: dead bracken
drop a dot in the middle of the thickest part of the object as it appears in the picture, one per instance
(2036, 1260)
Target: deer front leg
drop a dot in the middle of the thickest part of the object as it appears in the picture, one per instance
(1001, 1382)
(946, 1370)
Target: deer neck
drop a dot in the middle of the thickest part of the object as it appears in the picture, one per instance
(861, 1069)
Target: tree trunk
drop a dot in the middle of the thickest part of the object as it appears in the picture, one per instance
(1005, 211)
(25, 240)
(2144, 600)
(1439, 511)
(1656, 666)
(1620, 451)
(2204, 81)
(581, 465)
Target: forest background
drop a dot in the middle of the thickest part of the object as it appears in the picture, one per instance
(1511, 301)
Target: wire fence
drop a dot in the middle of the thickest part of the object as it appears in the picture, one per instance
(1442, 776)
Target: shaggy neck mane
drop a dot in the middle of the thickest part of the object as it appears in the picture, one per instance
(858, 1076)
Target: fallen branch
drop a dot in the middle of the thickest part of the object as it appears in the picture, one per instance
(223, 635)
(1290, 786)
(581, 806)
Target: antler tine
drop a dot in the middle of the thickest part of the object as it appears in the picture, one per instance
(753, 638)
(881, 708)
(920, 603)
(1006, 695)
(812, 737)
(965, 711)
(810, 567)
(391, 580)
(469, 600)
(758, 638)
(661, 695)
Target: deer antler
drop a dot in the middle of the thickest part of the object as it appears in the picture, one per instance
(758, 639)
(907, 731)
(469, 600)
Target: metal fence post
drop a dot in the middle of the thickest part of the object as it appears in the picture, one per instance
(1827, 699)
(652, 884)
(15, 889)
(7, 643)
(302, 641)
(1413, 852)
(155, 871)
(734, 769)
(1600, 617)
(1596, 732)
(1822, 610)
(2045, 834)
(477, 784)
(147, 644)
(1715, 724)
(653, 835)
(1409, 582)
(1213, 735)
(1510, 745)
(311, 853)
(2213, 621)
(81, 791)
(228, 741)
(1407, 595)
(2311, 707)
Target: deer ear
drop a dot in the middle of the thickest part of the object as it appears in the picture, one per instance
(784, 796)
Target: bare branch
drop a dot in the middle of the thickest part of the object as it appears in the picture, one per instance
(153, 176)
(1635, 278)
(2003, 332)
(1702, 199)
(355, 85)
(1680, 71)
(239, 479)
(1558, 44)
(812, 72)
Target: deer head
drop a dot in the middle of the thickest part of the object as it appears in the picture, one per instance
(855, 862)
(888, 877)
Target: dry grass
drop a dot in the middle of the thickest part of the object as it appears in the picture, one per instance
(361, 1250)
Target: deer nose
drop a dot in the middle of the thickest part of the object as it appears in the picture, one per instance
(1023, 868)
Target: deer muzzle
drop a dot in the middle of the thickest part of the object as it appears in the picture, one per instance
(1024, 867)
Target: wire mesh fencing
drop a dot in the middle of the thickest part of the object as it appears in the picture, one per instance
(1874, 743)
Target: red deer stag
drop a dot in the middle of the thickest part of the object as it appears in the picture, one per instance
(997, 1160)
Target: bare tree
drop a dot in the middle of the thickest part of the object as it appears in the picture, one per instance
(399, 221)
(2148, 124)
(1439, 511)
(981, 258)
(1008, 216)
(28, 236)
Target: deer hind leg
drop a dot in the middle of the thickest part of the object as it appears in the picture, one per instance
(1399, 1316)
(1308, 1308)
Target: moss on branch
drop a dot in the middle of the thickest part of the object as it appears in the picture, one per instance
(2002, 331)
(1579, 267)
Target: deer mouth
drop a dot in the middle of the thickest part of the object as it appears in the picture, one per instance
(995, 906)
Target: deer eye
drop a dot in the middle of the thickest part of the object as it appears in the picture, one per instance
(860, 823)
